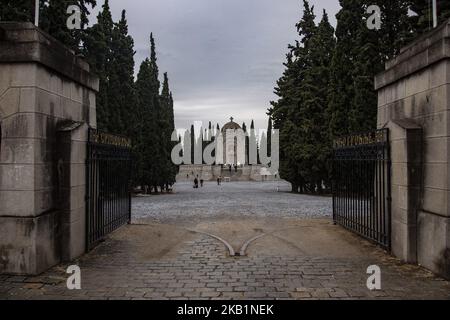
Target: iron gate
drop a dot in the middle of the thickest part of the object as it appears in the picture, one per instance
(108, 199)
(361, 185)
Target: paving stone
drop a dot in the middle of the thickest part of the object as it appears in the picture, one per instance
(111, 271)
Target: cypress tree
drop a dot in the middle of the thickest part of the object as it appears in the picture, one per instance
(252, 144)
(289, 113)
(121, 90)
(17, 10)
(269, 137)
(150, 148)
(168, 126)
(360, 54)
(313, 147)
(144, 141)
(193, 144)
(244, 128)
(53, 17)
(281, 113)
(210, 133)
(342, 91)
(97, 49)
(158, 169)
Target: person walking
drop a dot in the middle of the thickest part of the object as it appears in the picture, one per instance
(195, 183)
(201, 182)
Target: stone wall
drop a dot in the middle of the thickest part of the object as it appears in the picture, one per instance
(414, 102)
(47, 101)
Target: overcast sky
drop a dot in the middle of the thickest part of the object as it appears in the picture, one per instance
(223, 56)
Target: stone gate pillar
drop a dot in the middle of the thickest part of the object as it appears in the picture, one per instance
(414, 102)
(47, 102)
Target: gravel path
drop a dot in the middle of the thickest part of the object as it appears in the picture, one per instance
(234, 199)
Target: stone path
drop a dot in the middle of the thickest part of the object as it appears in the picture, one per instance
(202, 270)
(296, 255)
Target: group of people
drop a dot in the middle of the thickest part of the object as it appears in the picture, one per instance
(197, 180)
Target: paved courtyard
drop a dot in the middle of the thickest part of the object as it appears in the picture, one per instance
(230, 200)
(236, 241)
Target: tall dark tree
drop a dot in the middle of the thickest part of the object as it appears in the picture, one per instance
(167, 127)
(97, 49)
(360, 54)
(17, 10)
(252, 143)
(156, 114)
(121, 90)
(145, 143)
(314, 148)
(281, 113)
(269, 137)
(342, 90)
(327, 89)
(288, 113)
(193, 144)
(244, 128)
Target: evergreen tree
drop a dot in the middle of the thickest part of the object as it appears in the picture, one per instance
(244, 128)
(53, 17)
(313, 148)
(281, 113)
(423, 20)
(121, 91)
(54, 21)
(151, 147)
(168, 127)
(145, 145)
(193, 144)
(360, 54)
(269, 137)
(155, 144)
(97, 50)
(17, 10)
(252, 144)
(210, 133)
(342, 90)
(289, 113)
(327, 89)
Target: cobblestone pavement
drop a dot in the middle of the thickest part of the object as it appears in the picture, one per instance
(202, 270)
(296, 258)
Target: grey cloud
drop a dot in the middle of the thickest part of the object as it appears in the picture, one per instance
(223, 56)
